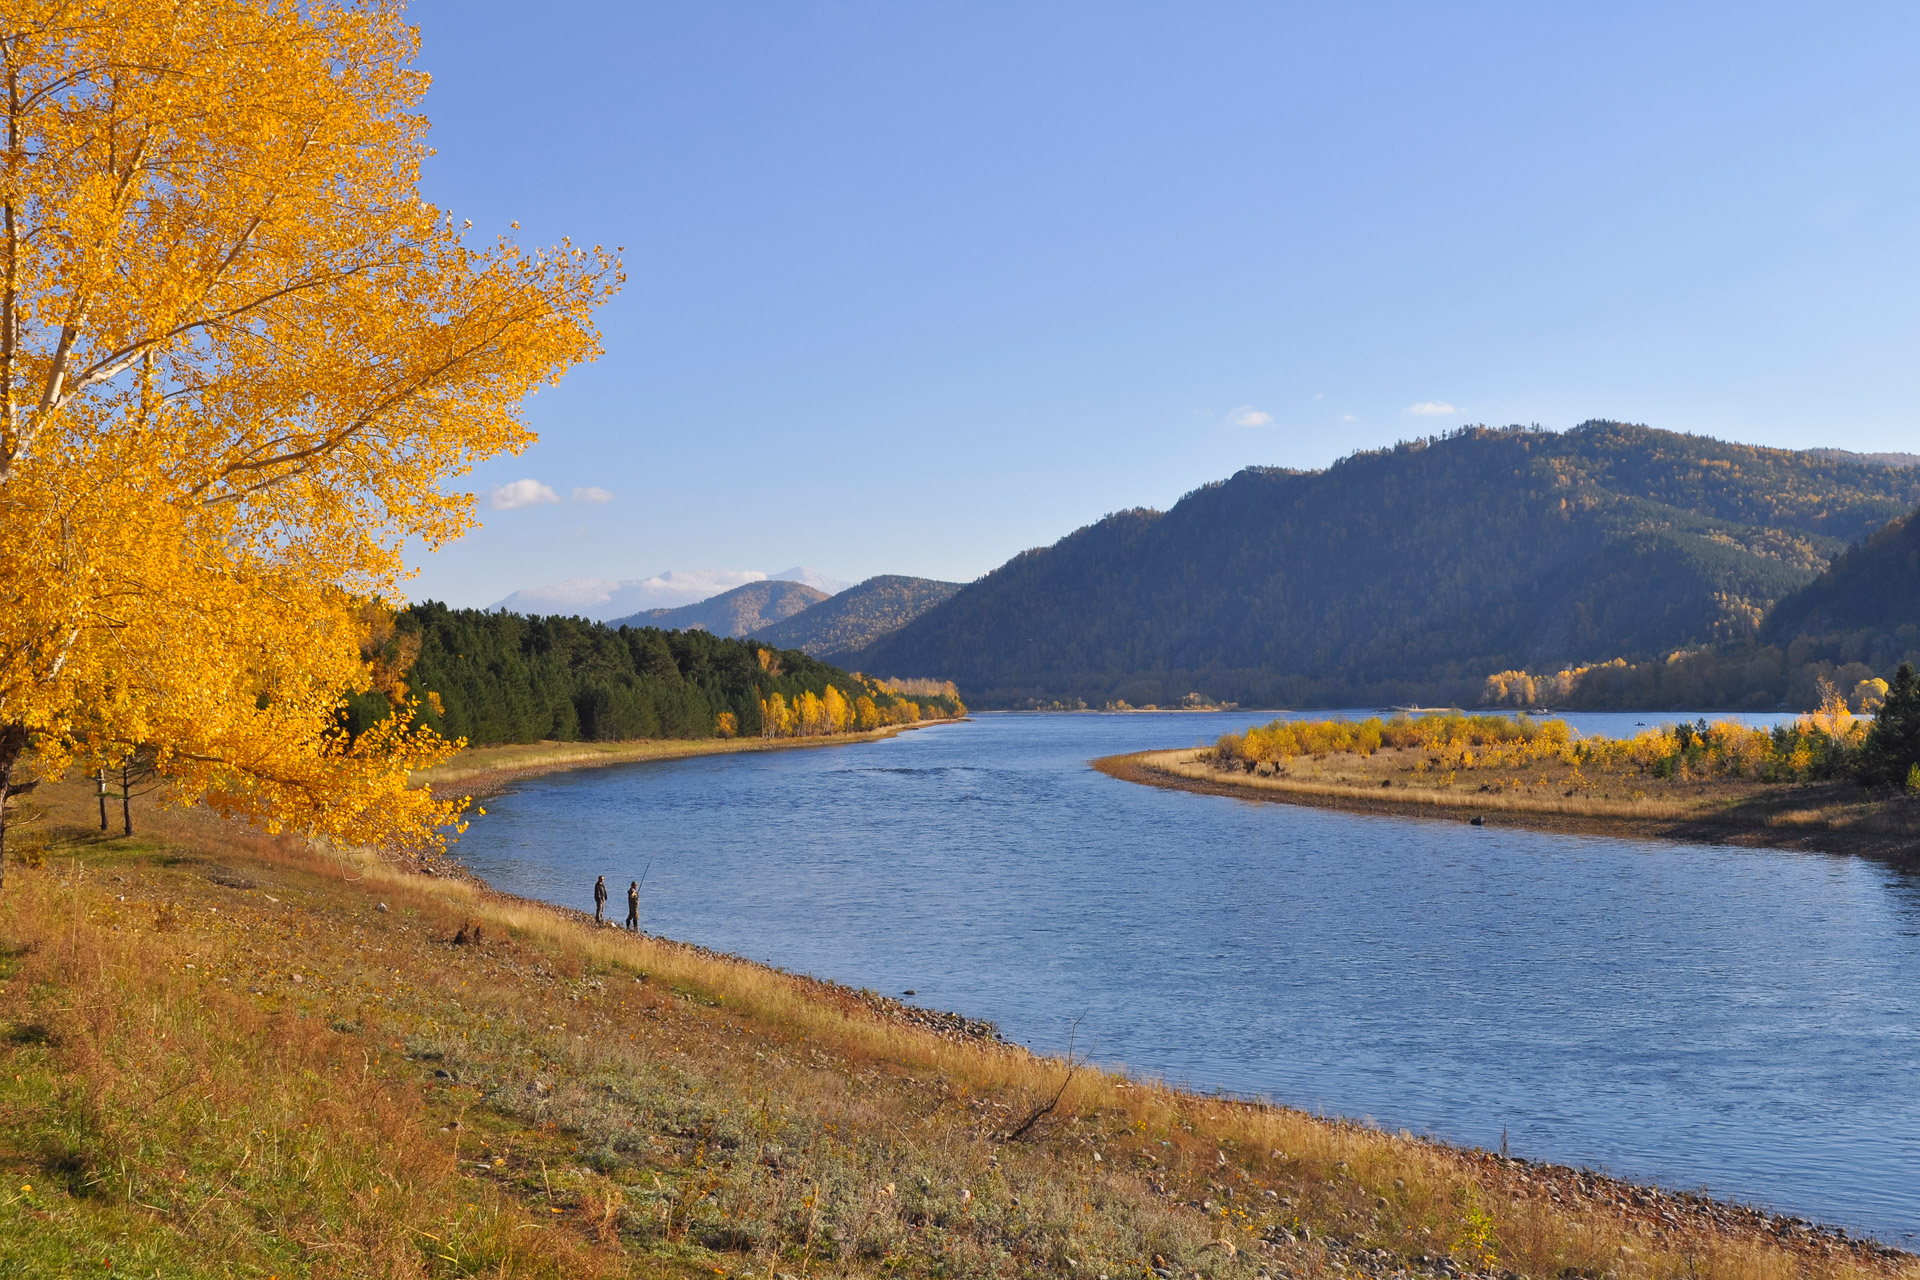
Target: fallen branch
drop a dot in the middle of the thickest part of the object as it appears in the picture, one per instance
(1039, 1113)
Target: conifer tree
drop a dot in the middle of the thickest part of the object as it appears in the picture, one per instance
(1892, 748)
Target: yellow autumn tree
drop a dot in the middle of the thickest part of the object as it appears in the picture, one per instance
(241, 359)
(776, 718)
(811, 713)
(838, 712)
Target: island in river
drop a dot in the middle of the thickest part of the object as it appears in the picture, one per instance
(1723, 783)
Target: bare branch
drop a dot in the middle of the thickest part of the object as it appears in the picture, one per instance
(1041, 1112)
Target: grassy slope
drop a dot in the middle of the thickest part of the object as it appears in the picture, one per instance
(1839, 817)
(220, 1057)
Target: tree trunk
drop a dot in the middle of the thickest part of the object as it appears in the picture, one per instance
(13, 744)
(126, 798)
(100, 779)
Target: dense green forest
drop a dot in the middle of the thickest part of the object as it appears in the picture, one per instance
(501, 677)
(1409, 574)
(858, 616)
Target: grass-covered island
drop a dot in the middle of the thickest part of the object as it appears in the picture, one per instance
(1831, 780)
(223, 1053)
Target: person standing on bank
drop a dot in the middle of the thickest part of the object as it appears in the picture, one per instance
(600, 900)
(633, 905)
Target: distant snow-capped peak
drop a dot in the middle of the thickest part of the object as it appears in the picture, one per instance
(603, 599)
(813, 578)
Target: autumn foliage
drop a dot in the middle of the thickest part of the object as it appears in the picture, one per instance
(810, 715)
(240, 358)
(1820, 745)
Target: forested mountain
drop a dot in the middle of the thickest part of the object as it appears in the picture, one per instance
(1874, 586)
(1854, 624)
(1884, 459)
(500, 677)
(857, 616)
(1408, 573)
(735, 612)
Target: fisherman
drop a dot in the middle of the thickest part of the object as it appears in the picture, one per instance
(600, 900)
(633, 905)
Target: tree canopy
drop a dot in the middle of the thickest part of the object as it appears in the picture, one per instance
(240, 360)
(501, 677)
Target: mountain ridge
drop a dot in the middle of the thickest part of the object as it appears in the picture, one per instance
(1407, 573)
(737, 612)
(606, 599)
(857, 617)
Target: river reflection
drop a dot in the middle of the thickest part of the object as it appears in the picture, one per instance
(1693, 1014)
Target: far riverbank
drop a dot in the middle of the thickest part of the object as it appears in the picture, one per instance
(1825, 817)
(484, 771)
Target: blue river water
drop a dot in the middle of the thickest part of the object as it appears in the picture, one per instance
(1742, 1020)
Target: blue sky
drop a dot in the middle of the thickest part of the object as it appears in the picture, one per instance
(917, 286)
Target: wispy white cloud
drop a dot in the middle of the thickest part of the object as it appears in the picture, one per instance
(521, 493)
(1248, 416)
(1348, 417)
(592, 493)
(1431, 409)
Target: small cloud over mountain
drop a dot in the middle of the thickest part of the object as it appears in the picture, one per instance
(592, 493)
(1431, 409)
(521, 493)
(1248, 416)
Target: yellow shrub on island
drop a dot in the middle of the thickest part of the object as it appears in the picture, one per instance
(1820, 744)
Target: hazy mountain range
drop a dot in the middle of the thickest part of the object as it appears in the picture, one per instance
(793, 615)
(797, 608)
(839, 627)
(738, 612)
(603, 599)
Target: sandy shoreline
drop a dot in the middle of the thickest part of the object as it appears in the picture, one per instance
(1777, 825)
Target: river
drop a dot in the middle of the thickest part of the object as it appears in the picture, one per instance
(1742, 1020)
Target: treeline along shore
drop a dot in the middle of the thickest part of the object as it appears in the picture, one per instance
(533, 694)
(229, 1053)
(1830, 780)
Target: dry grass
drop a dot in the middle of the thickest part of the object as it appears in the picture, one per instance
(1541, 789)
(220, 1056)
(1833, 815)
